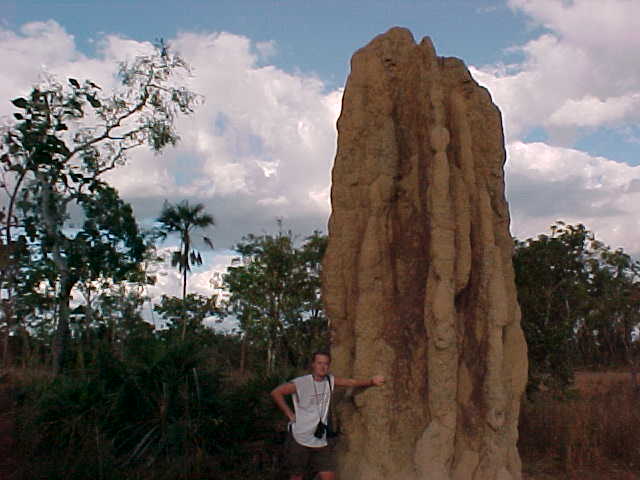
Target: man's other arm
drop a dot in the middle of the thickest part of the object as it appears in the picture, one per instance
(278, 394)
(376, 380)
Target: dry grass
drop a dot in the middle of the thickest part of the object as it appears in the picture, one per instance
(591, 383)
(594, 433)
(16, 376)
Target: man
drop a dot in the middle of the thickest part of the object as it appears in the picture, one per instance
(306, 445)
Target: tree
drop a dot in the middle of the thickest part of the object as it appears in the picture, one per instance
(110, 316)
(54, 157)
(580, 303)
(274, 292)
(551, 277)
(308, 332)
(606, 334)
(183, 219)
(192, 310)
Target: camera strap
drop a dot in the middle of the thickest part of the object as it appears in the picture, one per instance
(330, 397)
(331, 430)
(320, 404)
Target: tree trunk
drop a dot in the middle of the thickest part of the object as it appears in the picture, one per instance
(630, 361)
(8, 269)
(7, 311)
(243, 354)
(26, 347)
(63, 332)
(52, 225)
(184, 307)
(269, 356)
(6, 354)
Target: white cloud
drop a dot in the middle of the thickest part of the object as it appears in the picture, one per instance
(547, 183)
(574, 77)
(259, 144)
(260, 131)
(582, 62)
(262, 144)
(266, 49)
(28, 52)
(590, 111)
(281, 200)
(600, 26)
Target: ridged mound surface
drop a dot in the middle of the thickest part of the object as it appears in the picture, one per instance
(418, 282)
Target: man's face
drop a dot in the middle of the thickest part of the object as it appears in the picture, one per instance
(320, 365)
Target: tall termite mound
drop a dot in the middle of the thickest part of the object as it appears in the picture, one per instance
(418, 282)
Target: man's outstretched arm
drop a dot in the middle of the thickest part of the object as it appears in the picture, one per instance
(376, 380)
(278, 394)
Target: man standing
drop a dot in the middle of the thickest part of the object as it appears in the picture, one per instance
(307, 444)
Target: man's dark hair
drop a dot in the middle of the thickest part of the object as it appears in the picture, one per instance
(320, 352)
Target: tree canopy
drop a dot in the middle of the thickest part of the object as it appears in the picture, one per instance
(54, 156)
(580, 303)
(274, 292)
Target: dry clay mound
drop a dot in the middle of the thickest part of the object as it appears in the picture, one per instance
(418, 283)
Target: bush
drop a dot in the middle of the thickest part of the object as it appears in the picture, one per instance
(164, 414)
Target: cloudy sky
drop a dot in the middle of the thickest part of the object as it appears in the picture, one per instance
(564, 73)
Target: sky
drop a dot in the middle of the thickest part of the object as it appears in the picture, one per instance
(564, 73)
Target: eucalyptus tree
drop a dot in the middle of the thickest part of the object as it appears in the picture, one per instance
(552, 276)
(608, 330)
(580, 303)
(54, 156)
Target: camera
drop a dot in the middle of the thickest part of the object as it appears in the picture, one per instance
(321, 429)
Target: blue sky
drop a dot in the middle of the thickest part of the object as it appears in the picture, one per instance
(272, 72)
(312, 36)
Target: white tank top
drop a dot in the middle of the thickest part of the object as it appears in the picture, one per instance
(311, 403)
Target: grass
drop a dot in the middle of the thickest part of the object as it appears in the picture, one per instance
(593, 431)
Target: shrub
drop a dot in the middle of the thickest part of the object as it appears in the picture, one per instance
(164, 414)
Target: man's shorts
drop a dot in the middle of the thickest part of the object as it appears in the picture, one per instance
(301, 459)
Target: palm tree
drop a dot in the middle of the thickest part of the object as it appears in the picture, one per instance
(183, 218)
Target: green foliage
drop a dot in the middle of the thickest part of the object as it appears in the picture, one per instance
(274, 292)
(163, 412)
(579, 303)
(142, 411)
(550, 270)
(183, 219)
(191, 311)
(53, 157)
